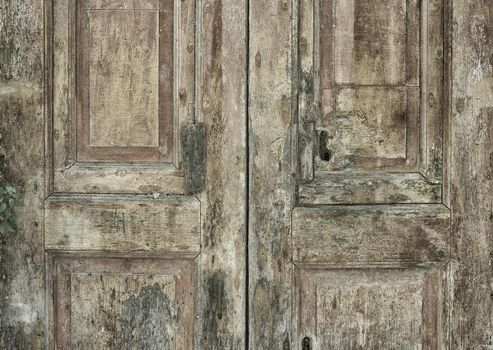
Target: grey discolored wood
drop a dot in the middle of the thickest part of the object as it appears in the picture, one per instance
(138, 311)
(193, 146)
(471, 163)
(222, 107)
(123, 224)
(363, 236)
(369, 188)
(368, 308)
(271, 180)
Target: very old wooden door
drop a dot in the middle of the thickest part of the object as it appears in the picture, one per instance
(349, 221)
(144, 238)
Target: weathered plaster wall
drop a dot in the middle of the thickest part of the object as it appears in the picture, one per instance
(21, 130)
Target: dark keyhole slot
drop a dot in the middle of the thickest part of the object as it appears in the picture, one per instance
(306, 344)
(324, 153)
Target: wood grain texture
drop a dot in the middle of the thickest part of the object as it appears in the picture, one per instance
(123, 65)
(122, 311)
(368, 309)
(471, 274)
(384, 235)
(22, 321)
(123, 224)
(174, 90)
(271, 185)
(120, 178)
(124, 86)
(369, 127)
(370, 42)
(222, 81)
(369, 188)
(116, 303)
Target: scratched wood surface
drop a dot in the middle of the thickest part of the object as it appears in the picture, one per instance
(471, 191)
(456, 157)
(366, 188)
(271, 186)
(369, 235)
(138, 311)
(22, 318)
(222, 106)
(114, 303)
(368, 309)
(123, 223)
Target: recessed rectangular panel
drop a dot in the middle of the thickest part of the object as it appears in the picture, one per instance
(124, 80)
(122, 311)
(368, 309)
(369, 86)
(120, 302)
(371, 235)
(370, 42)
(353, 316)
(368, 127)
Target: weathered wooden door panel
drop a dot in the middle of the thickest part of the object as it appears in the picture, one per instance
(370, 235)
(121, 255)
(127, 264)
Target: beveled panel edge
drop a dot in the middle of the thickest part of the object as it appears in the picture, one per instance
(168, 225)
(398, 235)
(306, 280)
(59, 263)
(369, 188)
(60, 148)
(119, 178)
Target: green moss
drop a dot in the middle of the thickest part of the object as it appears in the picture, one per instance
(9, 200)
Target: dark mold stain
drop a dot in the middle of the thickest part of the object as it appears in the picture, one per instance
(146, 319)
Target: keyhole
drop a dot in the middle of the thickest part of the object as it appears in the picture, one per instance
(306, 344)
(324, 153)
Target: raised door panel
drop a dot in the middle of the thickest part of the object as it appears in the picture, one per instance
(122, 79)
(122, 223)
(114, 303)
(370, 233)
(371, 101)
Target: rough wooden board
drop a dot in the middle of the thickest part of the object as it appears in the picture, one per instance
(270, 174)
(123, 63)
(123, 224)
(471, 287)
(222, 81)
(369, 188)
(122, 4)
(193, 146)
(21, 147)
(119, 178)
(368, 309)
(368, 126)
(122, 311)
(370, 42)
(68, 268)
(393, 235)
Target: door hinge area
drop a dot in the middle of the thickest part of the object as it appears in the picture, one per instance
(193, 147)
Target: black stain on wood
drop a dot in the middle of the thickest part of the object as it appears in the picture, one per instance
(146, 318)
(193, 149)
(213, 324)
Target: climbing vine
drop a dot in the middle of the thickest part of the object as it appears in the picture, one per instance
(9, 200)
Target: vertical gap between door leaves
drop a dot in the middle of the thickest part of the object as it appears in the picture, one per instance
(247, 175)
